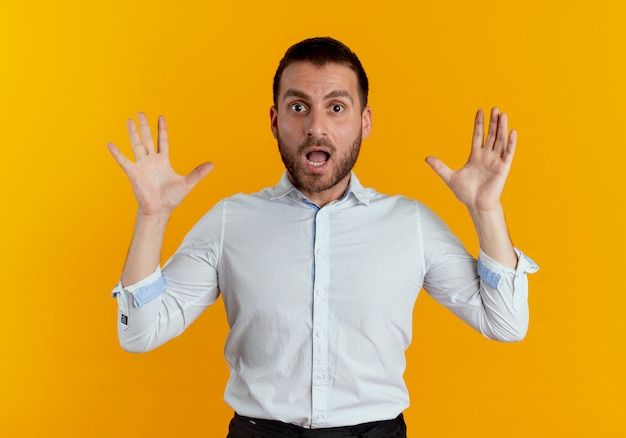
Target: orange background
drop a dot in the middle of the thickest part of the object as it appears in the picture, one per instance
(73, 72)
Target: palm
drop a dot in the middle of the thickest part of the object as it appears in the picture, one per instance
(479, 184)
(157, 187)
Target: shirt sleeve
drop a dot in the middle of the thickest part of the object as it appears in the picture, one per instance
(144, 290)
(494, 274)
(162, 305)
(490, 297)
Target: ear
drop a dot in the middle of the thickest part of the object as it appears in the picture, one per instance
(366, 122)
(274, 121)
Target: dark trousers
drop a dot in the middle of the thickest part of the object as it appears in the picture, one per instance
(244, 427)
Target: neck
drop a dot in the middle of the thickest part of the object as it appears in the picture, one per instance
(324, 197)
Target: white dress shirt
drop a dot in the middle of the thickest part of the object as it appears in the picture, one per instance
(320, 300)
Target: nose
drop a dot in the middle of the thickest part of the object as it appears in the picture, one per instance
(316, 124)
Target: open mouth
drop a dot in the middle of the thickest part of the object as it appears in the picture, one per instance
(317, 158)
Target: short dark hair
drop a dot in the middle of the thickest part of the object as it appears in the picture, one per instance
(321, 51)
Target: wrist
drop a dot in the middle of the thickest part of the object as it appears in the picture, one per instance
(151, 224)
(478, 212)
(153, 217)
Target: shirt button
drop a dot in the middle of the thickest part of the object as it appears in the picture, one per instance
(319, 292)
(320, 417)
(318, 334)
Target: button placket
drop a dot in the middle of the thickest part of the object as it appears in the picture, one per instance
(320, 320)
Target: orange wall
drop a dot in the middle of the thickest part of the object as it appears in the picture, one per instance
(73, 72)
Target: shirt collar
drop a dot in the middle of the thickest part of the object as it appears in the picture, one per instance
(285, 187)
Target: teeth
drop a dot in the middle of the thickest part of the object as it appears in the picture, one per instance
(317, 163)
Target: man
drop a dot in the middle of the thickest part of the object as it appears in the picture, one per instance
(318, 274)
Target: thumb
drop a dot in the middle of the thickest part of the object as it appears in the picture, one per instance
(198, 173)
(440, 168)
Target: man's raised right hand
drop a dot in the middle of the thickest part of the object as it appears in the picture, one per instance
(157, 187)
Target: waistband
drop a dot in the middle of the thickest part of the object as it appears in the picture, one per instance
(244, 427)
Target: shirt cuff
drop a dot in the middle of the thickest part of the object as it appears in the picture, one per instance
(144, 290)
(490, 271)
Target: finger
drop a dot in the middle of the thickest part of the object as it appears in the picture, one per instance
(502, 133)
(139, 150)
(163, 145)
(124, 162)
(146, 135)
(440, 168)
(493, 127)
(509, 151)
(198, 173)
(478, 136)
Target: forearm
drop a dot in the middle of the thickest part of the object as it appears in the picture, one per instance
(494, 236)
(161, 304)
(487, 295)
(144, 254)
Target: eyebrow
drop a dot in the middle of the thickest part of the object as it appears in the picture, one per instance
(292, 92)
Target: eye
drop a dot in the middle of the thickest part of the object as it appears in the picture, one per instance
(297, 107)
(336, 108)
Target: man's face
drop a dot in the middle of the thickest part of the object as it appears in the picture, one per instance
(319, 125)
